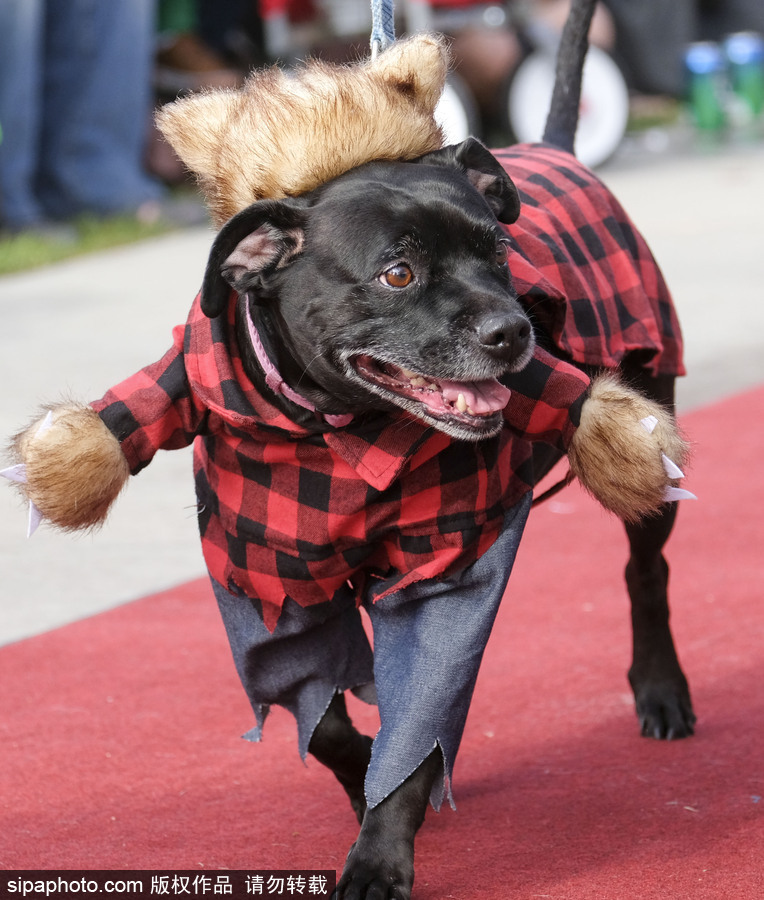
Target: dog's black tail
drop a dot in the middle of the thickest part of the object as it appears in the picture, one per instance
(562, 120)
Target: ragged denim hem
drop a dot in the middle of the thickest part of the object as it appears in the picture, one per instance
(307, 722)
(429, 639)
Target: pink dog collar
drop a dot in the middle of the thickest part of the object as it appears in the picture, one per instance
(277, 384)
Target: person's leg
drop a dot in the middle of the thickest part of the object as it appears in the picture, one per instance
(651, 38)
(21, 62)
(98, 102)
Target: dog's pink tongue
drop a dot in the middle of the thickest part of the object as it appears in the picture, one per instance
(482, 397)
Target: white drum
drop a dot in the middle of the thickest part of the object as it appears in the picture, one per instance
(455, 112)
(604, 103)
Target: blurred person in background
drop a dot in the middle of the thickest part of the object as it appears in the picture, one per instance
(192, 44)
(75, 100)
(647, 38)
(195, 48)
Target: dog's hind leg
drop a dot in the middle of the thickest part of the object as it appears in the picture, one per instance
(660, 688)
(340, 747)
(659, 684)
(656, 677)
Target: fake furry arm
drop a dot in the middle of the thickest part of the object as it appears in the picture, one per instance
(618, 457)
(74, 459)
(73, 466)
(602, 426)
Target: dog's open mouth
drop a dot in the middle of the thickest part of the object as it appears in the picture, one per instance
(475, 404)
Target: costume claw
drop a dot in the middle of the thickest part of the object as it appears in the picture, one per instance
(649, 423)
(18, 474)
(671, 494)
(672, 469)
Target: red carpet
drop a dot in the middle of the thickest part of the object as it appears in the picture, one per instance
(119, 744)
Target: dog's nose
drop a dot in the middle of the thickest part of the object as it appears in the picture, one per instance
(505, 336)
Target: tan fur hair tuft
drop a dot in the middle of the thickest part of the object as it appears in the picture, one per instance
(285, 133)
(75, 468)
(616, 458)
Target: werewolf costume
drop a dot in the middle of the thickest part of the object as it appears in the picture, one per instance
(303, 519)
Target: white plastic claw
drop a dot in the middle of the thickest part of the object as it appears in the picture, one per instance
(649, 423)
(671, 494)
(674, 493)
(18, 473)
(672, 469)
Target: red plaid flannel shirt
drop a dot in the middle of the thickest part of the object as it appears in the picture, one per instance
(583, 270)
(286, 510)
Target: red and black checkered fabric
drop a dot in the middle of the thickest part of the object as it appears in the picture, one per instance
(285, 511)
(289, 511)
(583, 270)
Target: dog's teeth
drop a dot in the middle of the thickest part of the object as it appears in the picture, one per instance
(461, 403)
(418, 381)
(409, 374)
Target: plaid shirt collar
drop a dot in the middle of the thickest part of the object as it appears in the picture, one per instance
(375, 446)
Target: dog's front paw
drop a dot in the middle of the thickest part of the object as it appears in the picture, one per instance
(663, 705)
(376, 871)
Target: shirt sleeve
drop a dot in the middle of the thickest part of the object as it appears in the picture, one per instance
(154, 409)
(546, 401)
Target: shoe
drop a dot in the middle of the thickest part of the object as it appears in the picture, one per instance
(186, 63)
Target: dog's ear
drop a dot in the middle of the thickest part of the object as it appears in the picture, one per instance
(263, 237)
(484, 173)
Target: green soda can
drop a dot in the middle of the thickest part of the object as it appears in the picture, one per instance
(745, 60)
(706, 85)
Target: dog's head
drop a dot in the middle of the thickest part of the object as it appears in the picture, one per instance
(387, 287)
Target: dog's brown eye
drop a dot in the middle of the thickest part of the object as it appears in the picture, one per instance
(501, 254)
(399, 276)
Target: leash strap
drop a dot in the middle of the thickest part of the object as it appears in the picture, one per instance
(382, 26)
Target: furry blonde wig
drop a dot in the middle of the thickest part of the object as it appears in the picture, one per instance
(287, 132)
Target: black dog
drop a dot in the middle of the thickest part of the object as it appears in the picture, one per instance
(374, 377)
(386, 289)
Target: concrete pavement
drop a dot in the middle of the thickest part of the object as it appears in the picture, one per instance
(78, 327)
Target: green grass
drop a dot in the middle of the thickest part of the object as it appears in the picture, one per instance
(89, 234)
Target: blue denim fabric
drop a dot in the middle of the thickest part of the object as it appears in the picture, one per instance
(429, 640)
(313, 652)
(75, 101)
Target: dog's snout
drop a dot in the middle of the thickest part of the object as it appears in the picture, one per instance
(506, 336)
